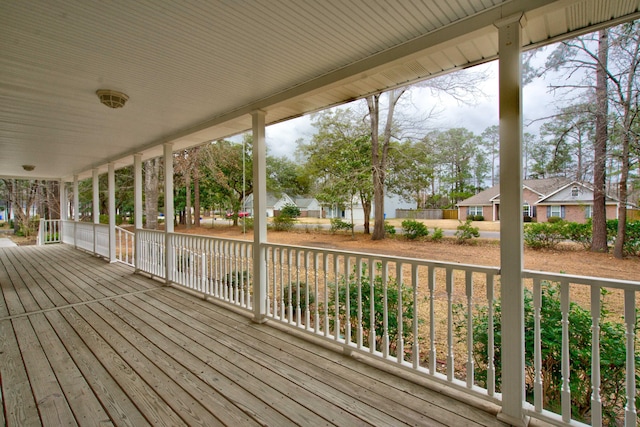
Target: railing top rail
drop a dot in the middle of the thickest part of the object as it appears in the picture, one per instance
(582, 280)
(124, 230)
(224, 239)
(405, 260)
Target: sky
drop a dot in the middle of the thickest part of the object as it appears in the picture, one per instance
(538, 102)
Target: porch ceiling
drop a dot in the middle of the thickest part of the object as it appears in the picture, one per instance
(194, 70)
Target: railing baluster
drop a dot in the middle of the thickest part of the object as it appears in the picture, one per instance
(400, 322)
(566, 388)
(347, 302)
(538, 397)
(630, 413)
(415, 351)
(359, 332)
(372, 305)
(316, 265)
(469, 294)
(336, 319)
(325, 272)
(432, 321)
(385, 308)
(450, 355)
(596, 401)
(491, 368)
(289, 286)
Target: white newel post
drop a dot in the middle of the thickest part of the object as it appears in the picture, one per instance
(137, 202)
(259, 216)
(168, 208)
(511, 241)
(111, 178)
(95, 209)
(76, 210)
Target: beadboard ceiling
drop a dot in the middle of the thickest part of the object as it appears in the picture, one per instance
(194, 69)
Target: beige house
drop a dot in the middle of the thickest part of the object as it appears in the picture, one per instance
(542, 198)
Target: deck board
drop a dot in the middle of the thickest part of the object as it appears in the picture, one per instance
(84, 342)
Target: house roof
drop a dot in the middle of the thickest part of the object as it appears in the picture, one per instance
(304, 203)
(492, 195)
(585, 195)
(194, 71)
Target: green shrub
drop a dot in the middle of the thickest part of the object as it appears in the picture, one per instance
(527, 218)
(437, 234)
(283, 223)
(465, 232)
(612, 352)
(291, 211)
(337, 224)
(392, 292)
(389, 229)
(479, 218)
(304, 303)
(632, 238)
(543, 235)
(413, 229)
(577, 232)
(104, 219)
(246, 222)
(554, 219)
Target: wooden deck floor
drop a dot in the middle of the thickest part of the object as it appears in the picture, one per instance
(84, 342)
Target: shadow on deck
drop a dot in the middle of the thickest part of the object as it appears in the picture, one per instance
(84, 342)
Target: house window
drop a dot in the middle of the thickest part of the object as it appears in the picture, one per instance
(574, 191)
(526, 210)
(474, 210)
(555, 210)
(588, 211)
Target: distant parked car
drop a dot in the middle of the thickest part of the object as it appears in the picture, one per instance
(240, 214)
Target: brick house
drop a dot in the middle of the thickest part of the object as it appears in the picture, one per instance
(542, 198)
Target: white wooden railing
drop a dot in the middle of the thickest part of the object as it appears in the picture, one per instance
(125, 246)
(425, 313)
(49, 231)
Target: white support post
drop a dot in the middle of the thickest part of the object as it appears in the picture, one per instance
(95, 209)
(511, 242)
(259, 216)
(112, 212)
(76, 210)
(76, 200)
(137, 202)
(96, 197)
(63, 200)
(168, 208)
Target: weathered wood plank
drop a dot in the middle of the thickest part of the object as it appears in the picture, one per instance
(52, 405)
(57, 291)
(203, 363)
(16, 296)
(80, 397)
(147, 400)
(36, 288)
(296, 391)
(355, 378)
(190, 409)
(122, 411)
(5, 283)
(138, 332)
(19, 405)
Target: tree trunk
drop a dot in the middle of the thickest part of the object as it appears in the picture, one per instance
(599, 230)
(151, 192)
(196, 199)
(366, 208)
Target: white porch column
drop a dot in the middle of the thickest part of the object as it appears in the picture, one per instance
(259, 216)
(511, 240)
(76, 199)
(111, 178)
(168, 208)
(137, 204)
(95, 208)
(137, 190)
(96, 197)
(63, 200)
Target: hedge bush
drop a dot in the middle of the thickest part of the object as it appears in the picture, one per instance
(413, 229)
